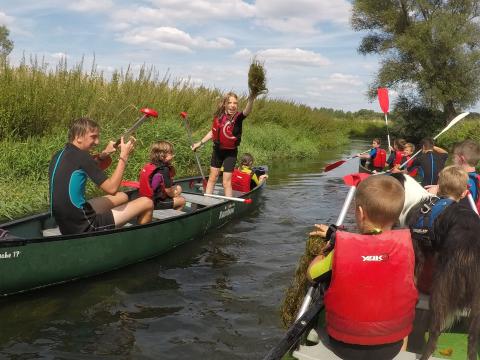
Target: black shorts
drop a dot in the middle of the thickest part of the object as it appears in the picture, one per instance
(227, 158)
(365, 352)
(103, 221)
(164, 204)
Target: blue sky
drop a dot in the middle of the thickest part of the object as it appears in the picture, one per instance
(309, 50)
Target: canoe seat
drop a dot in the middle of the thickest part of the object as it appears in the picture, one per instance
(52, 232)
(202, 200)
(320, 351)
(166, 214)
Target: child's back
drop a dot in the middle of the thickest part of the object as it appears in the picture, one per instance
(370, 304)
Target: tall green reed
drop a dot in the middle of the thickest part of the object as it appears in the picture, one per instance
(38, 102)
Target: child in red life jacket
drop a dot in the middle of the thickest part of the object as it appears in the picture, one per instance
(156, 178)
(226, 134)
(396, 153)
(377, 156)
(466, 154)
(370, 302)
(244, 178)
(408, 151)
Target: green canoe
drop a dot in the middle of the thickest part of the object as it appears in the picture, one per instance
(42, 257)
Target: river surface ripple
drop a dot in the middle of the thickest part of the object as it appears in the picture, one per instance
(215, 298)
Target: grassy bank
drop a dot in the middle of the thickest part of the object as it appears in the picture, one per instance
(37, 105)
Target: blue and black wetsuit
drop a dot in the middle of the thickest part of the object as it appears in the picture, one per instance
(68, 173)
(430, 164)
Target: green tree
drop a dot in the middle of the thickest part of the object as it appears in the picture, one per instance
(429, 50)
(6, 45)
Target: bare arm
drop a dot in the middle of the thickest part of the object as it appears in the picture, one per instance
(111, 185)
(207, 137)
(249, 107)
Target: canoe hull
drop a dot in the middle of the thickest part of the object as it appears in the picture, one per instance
(35, 263)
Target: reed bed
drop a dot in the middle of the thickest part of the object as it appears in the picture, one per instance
(38, 103)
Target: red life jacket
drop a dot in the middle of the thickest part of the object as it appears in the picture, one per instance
(398, 158)
(414, 172)
(380, 158)
(222, 131)
(145, 181)
(372, 295)
(241, 180)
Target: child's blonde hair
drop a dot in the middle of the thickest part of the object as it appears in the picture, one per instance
(222, 105)
(246, 160)
(159, 151)
(409, 145)
(470, 150)
(452, 182)
(381, 198)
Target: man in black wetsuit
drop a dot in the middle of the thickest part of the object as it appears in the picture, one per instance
(430, 162)
(68, 173)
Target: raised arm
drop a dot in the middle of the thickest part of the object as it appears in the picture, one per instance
(249, 106)
(111, 185)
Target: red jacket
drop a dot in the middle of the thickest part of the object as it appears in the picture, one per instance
(241, 180)
(222, 131)
(380, 158)
(372, 296)
(145, 180)
(398, 158)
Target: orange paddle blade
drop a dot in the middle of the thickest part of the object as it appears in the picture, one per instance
(354, 179)
(334, 165)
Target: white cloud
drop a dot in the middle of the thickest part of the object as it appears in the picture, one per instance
(172, 39)
(243, 54)
(173, 12)
(296, 57)
(5, 19)
(90, 5)
(59, 55)
(339, 78)
(302, 16)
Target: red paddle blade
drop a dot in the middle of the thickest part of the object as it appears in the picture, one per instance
(334, 165)
(128, 183)
(383, 99)
(183, 114)
(248, 201)
(354, 179)
(149, 112)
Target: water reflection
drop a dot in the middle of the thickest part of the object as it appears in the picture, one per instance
(217, 297)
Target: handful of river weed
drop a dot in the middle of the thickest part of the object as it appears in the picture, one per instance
(257, 82)
(299, 285)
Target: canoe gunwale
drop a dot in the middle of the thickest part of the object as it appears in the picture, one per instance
(156, 222)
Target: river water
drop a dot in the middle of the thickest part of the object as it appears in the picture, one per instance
(215, 298)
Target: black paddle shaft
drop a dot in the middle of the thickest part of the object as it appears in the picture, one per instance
(295, 331)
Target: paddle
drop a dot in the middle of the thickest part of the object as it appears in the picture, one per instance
(312, 303)
(246, 201)
(184, 115)
(107, 161)
(384, 103)
(146, 114)
(471, 201)
(341, 162)
(450, 124)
